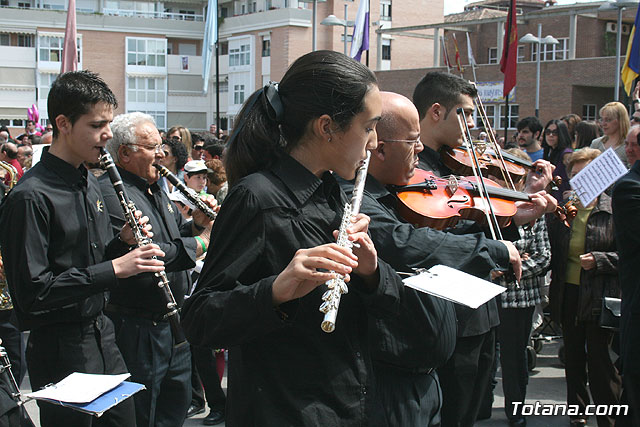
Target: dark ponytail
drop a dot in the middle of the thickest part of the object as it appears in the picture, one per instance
(318, 83)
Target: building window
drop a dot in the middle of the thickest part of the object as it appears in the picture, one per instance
(491, 117)
(493, 55)
(386, 50)
(159, 117)
(51, 48)
(513, 116)
(551, 52)
(589, 112)
(25, 40)
(521, 53)
(23, 5)
(240, 56)
(146, 52)
(238, 94)
(46, 80)
(146, 89)
(224, 87)
(224, 48)
(224, 12)
(385, 10)
(5, 39)
(266, 47)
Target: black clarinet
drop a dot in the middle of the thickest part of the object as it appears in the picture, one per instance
(187, 192)
(14, 390)
(129, 209)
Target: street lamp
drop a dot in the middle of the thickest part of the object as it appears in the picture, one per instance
(314, 19)
(619, 5)
(334, 20)
(531, 39)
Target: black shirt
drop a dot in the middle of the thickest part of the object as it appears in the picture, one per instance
(283, 369)
(170, 231)
(424, 335)
(470, 322)
(53, 230)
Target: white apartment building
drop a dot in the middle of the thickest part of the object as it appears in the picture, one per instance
(149, 52)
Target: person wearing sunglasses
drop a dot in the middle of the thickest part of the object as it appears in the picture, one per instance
(197, 147)
(556, 144)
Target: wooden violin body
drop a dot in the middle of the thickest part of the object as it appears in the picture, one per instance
(429, 201)
(461, 163)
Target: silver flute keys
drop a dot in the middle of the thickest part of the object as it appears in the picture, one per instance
(337, 286)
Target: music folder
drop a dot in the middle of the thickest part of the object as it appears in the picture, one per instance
(89, 393)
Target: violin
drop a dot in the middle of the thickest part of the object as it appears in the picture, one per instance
(430, 201)
(460, 162)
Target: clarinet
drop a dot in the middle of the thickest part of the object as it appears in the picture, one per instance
(187, 192)
(337, 287)
(14, 390)
(129, 209)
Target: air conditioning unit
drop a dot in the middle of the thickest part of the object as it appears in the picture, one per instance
(612, 28)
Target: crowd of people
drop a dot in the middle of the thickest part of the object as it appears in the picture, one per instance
(250, 269)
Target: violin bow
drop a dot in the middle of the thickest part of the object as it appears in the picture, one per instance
(484, 193)
(492, 139)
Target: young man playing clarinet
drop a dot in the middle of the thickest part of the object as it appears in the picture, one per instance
(57, 271)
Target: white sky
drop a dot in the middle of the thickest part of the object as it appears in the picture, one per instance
(455, 6)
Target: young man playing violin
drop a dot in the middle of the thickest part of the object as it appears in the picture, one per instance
(466, 375)
(407, 349)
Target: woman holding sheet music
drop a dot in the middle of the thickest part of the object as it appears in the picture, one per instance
(584, 270)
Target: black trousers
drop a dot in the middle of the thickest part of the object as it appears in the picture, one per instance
(13, 342)
(465, 377)
(513, 334)
(592, 364)
(165, 371)
(204, 360)
(405, 399)
(55, 351)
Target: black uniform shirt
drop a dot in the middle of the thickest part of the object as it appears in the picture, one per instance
(284, 370)
(170, 231)
(424, 335)
(470, 322)
(53, 230)
(430, 160)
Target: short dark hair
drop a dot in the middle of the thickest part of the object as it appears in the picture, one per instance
(213, 145)
(318, 83)
(74, 93)
(531, 122)
(178, 150)
(443, 88)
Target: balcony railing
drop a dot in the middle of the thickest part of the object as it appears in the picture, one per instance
(154, 15)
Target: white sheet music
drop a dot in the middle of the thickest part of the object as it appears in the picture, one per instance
(597, 176)
(79, 387)
(454, 285)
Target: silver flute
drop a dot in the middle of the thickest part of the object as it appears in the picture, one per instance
(187, 192)
(337, 286)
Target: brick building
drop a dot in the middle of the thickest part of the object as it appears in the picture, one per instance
(577, 75)
(149, 52)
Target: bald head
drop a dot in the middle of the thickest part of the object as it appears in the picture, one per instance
(398, 115)
(395, 158)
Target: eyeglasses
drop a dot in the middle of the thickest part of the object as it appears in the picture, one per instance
(551, 132)
(158, 148)
(408, 141)
(635, 119)
(198, 147)
(606, 120)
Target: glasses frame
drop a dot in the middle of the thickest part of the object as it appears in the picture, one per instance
(158, 148)
(551, 132)
(407, 141)
(198, 147)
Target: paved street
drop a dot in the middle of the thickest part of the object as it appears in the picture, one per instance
(546, 385)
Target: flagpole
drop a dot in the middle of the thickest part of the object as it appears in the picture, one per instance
(446, 55)
(369, 9)
(472, 60)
